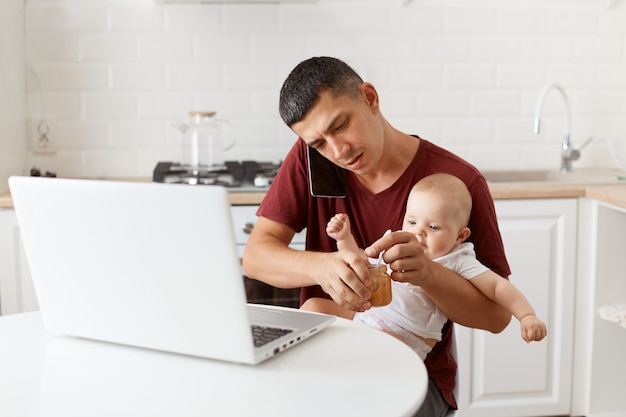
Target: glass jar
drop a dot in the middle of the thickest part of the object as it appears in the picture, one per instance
(380, 286)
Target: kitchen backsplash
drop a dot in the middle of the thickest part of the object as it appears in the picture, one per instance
(110, 76)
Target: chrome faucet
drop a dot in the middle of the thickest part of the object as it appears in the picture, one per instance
(568, 153)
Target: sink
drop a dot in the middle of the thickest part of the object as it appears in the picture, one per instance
(580, 176)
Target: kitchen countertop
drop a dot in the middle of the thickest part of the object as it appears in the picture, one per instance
(614, 193)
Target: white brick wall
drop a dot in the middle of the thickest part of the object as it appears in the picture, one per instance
(464, 74)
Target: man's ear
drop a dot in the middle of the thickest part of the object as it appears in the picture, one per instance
(369, 92)
(464, 233)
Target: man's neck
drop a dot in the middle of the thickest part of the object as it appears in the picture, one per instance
(398, 152)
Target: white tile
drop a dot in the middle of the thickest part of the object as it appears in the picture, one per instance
(495, 103)
(66, 17)
(606, 49)
(226, 103)
(416, 19)
(468, 131)
(574, 76)
(426, 128)
(163, 105)
(342, 46)
(51, 46)
(133, 18)
(74, 76)
(192, 18)
(514, 131)
(332, 19)
(221, 47)
(264, 104)
(469, 20)
(60, 106)
(193, 76)
(275, 47)
(521, 75)
(612, 76)
(612, 21)
(444, 104)
(575, 21)
(165, 48)
(110, 163)
(551, 49)
(256, 75)
(496, 48)
(465, 75)
(442, 48)
(137, 135)
(469, 76)
(75, 135)
(598, 103)
(411, 75)
(250, 18)
(107, 106)
(397, 103)
(522, 20)
(137, 76)
(63, 163)
(508, 157)
(108, 48)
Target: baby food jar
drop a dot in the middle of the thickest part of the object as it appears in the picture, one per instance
(380, 286)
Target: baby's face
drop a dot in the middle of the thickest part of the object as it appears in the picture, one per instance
(428, 217)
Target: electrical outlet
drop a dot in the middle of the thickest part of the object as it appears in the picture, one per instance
(42, 136)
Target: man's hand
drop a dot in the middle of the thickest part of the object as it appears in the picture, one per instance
(344, 276)
(405, 257)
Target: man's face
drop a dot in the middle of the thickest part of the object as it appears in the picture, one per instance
(344, 130)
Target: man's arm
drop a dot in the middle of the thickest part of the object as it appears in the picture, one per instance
(455, 296)
(268, 258)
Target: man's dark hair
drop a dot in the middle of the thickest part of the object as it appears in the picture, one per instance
(309, 79)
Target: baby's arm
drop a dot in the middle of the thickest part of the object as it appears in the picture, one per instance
(503, 292)
(339, 229)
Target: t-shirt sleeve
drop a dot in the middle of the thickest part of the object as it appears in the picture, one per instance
(286, 199)
(485, 232)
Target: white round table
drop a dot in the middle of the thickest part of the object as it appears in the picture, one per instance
(346, 370)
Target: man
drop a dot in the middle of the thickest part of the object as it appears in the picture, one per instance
(336, 114)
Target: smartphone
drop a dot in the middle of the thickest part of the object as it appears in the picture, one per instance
(325, 178)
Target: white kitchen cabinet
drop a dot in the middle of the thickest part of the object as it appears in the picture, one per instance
(599, 386)
(499, 374)
(244, 219)
(17, 294)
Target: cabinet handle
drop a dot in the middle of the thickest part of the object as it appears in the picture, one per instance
(247, 228)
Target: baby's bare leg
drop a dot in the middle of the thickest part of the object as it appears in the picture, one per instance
(322, 305)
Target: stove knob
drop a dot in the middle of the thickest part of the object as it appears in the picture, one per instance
(261, 181)
(247, 228)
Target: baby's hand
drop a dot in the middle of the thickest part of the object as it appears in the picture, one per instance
(533, 329)
(339, 226)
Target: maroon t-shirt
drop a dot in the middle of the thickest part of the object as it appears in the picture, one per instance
(289, 201)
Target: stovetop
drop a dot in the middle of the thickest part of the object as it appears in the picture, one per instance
(241, 176)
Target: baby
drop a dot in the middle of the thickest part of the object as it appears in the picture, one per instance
(437, 213)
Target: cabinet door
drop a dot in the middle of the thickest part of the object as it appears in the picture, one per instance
(499, 374)
(17, 294)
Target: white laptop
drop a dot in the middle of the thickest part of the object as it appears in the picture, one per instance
(146, 264)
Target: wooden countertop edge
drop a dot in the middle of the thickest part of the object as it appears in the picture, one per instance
(612, 194)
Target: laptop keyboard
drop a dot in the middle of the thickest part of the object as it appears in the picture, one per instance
(263, 334)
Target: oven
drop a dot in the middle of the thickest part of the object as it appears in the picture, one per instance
(244, 218)
(244, 176)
